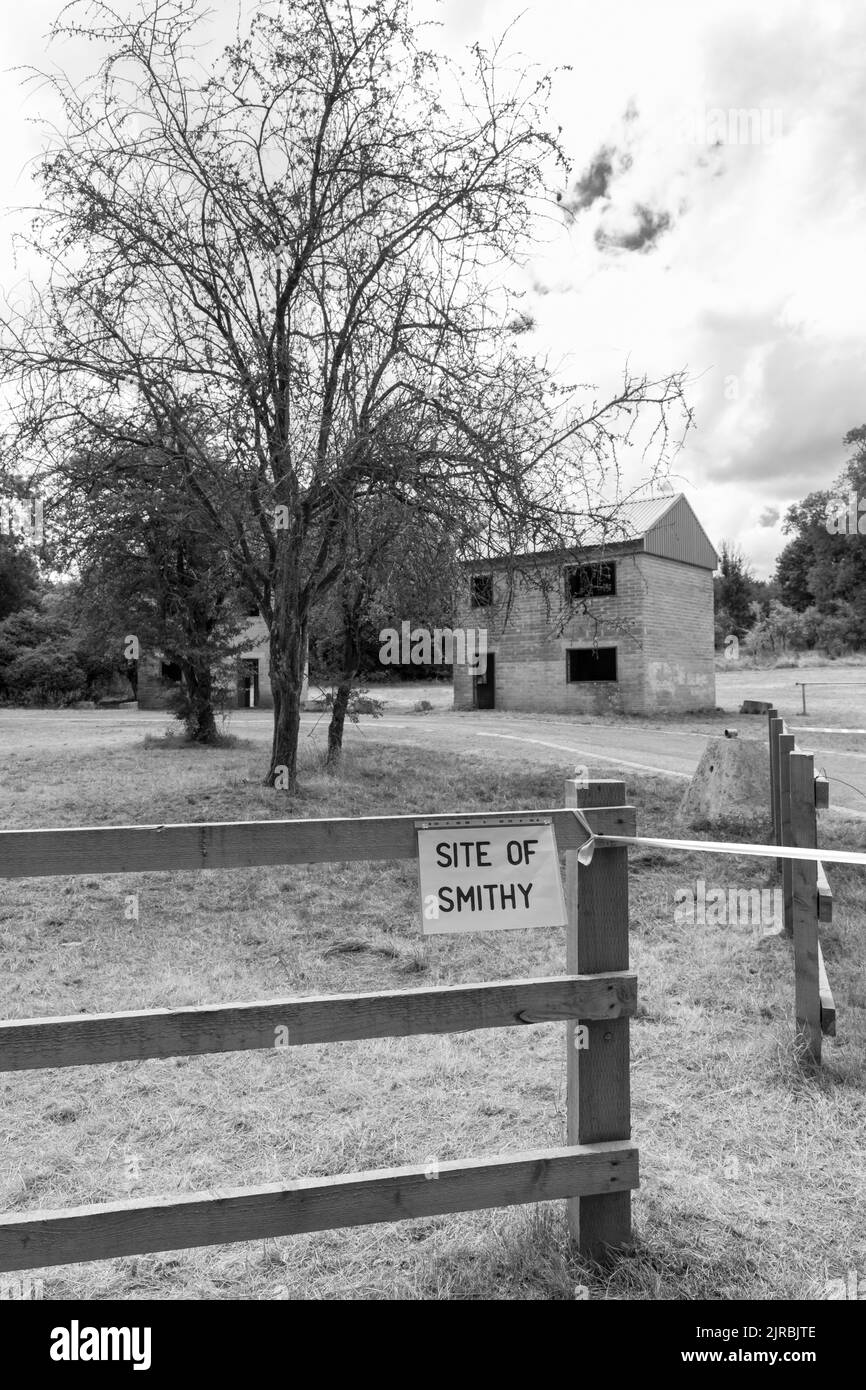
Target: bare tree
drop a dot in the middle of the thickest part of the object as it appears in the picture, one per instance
(395, 561)
(311, 238)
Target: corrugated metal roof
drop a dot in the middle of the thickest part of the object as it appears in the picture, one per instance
(665, 526)
(629, 521)
(679, 535)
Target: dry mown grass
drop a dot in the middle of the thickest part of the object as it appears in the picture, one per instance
(752, 1169)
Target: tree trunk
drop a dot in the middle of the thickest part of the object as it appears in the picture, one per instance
(337, 724)
(352, 606)
(283, 769)
(198, 714)
(288, 641)
(205, 730)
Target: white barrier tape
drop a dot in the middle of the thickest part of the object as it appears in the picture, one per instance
(827, 856)
(585, 853)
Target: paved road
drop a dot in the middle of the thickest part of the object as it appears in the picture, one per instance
(604, 748)
(639, 747)
(566, 741)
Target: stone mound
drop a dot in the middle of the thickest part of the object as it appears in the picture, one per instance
(731, 782)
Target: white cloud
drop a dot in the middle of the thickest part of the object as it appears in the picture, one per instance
(759, 284)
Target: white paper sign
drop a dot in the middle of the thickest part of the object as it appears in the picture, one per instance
(489, 877)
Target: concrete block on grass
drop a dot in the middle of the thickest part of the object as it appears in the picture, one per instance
(731, 782)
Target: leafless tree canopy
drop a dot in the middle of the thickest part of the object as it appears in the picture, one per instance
(304, 246)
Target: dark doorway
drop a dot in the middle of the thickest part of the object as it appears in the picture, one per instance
(248, 683)
(485, 686)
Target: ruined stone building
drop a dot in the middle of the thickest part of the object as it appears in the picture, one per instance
(158, 678)
(647, 646)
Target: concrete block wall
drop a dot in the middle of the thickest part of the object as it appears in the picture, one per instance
(530, 651)
(660, 620)
(462, 685)
(256, 646)
(680, 665)
(153, 692)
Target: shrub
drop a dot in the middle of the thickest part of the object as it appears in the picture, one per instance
(47, 674)
(38, 661)
(835, 630)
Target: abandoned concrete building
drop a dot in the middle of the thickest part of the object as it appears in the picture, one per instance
(158, 678)
(646, 644)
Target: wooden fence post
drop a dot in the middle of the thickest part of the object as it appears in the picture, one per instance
(804, 835)
(774, 727)
(825, 914)
(597, 1069)
(774, 779)
(785, 743)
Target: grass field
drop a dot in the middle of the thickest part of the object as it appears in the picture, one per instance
(752, 1169)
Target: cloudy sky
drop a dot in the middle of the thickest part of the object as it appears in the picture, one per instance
(698, 236)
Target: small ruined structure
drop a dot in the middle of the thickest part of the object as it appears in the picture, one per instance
(729, 783)
(158, 678)
(629, 629)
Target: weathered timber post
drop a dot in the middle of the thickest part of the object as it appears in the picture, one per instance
(804, 835)
(774, 778)
(785, 745)
(597, 1070)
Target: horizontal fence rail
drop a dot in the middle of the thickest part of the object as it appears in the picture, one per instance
(127, 849)
(825, 896)
(85, 1040)
(827, 1002)
(839, 685)
(139, 1226)
(595, 1172)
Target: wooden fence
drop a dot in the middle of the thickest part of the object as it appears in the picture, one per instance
(595, 1172)
(796, 794)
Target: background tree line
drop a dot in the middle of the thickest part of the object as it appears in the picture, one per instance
(816, 600)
